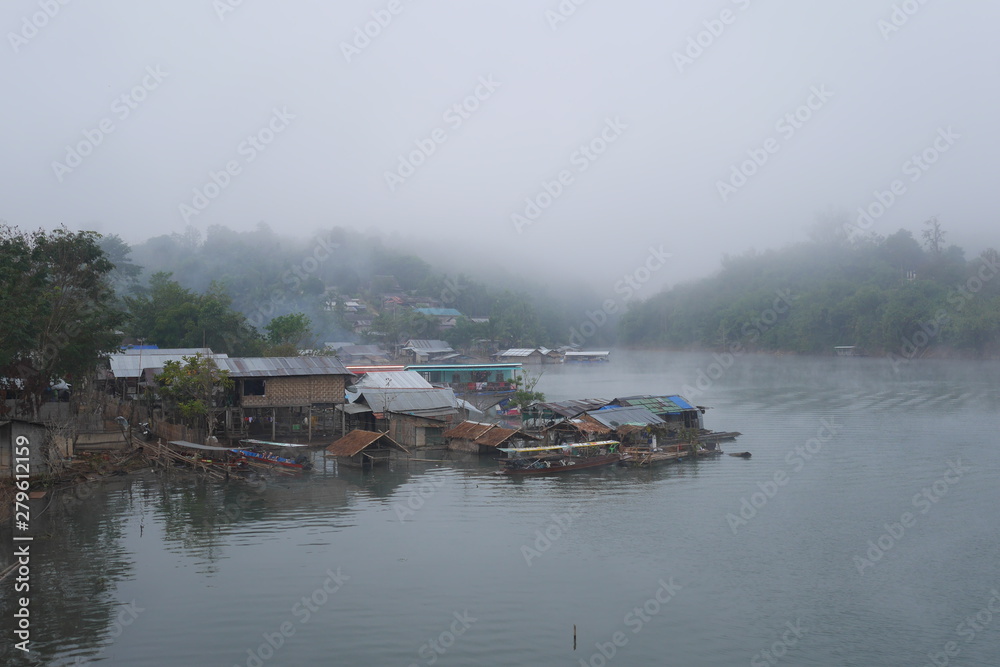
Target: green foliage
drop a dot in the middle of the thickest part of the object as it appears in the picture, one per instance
(194, 387)
(524, 393)
(288, 329)
(57, 309)
(172, 316)
(873, 292)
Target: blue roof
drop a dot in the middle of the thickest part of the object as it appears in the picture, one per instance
(438, 312)
(681, 402)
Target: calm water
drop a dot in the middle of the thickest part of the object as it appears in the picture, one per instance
(447, 564)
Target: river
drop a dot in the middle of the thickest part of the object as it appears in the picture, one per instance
(863, 531)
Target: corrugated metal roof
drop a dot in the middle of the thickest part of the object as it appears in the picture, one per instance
(185, 351)
(614, 417)
(657, 404)
(132, 365)
(417, 402)
(572, 408)
(517, 352)
(595, 353)
(428, 345)
(251, 367)
(394, 380)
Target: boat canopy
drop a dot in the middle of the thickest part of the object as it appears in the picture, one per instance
(272, 444)
(556, 448)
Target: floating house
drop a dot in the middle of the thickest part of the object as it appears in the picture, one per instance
(675, 411)
(481, 438)
(582, 356)
(536, 355)
(365, 449)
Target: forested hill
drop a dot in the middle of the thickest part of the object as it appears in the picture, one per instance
(889, 295)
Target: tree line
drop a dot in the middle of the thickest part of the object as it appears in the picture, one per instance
(887, 295)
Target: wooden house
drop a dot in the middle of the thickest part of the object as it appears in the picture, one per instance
(365, 449)
(481, 438)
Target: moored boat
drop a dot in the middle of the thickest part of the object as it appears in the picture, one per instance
(559, 458)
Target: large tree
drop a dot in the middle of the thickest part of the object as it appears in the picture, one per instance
(195, 387)
(169, 315)
(57, 310)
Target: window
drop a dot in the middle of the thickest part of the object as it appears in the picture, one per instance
(253, 387)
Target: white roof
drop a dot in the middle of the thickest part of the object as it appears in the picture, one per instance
(394, 380)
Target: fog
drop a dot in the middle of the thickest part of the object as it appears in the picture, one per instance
(569, 140)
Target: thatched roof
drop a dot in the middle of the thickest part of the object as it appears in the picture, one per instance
(358, 441)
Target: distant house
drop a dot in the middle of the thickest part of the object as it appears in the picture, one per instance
(365, 449)
(421, 351)
(354, 355)
(447, 317)
(530, 355)
(587, 355)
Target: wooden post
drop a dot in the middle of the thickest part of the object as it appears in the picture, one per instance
(310, 418)
(274, 422)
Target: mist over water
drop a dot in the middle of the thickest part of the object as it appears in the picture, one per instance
(707, 563)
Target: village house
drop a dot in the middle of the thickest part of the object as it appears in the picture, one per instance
(447, 317)
(537, 355)
(291, 396)
(481, 438)
(413, 417)
(422, 351)
(365, 449)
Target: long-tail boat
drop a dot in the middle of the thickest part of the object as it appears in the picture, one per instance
(559, 458)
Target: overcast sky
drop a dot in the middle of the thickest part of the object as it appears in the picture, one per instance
(115, 112)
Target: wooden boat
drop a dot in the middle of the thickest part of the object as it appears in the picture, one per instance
(742, 455)
(558, 458)
(257, 455)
